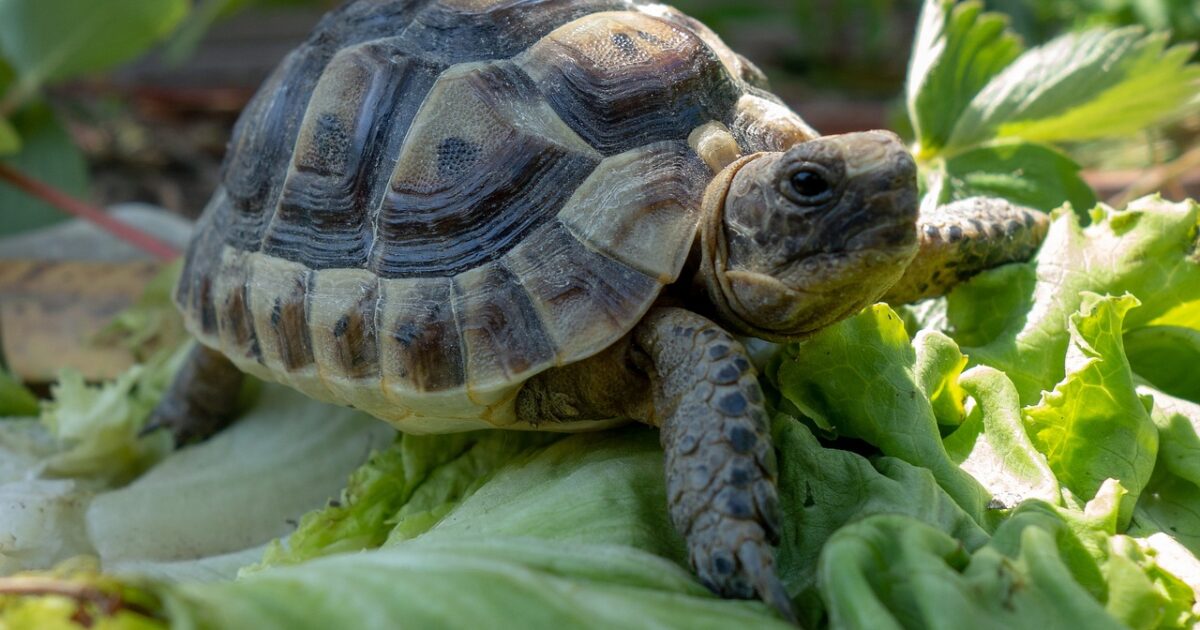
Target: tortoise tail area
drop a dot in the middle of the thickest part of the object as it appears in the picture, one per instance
(964, 238)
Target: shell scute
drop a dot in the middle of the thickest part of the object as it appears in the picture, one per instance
(485, 163)
(419, 342)
(342, 318)
(585, 299)
(278, 296)
(502, 334)
(356, 119)
(460, 31)
(623, 80)
(641, 207)
(231, 299)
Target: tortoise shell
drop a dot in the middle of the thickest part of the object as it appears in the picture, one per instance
(431, 201)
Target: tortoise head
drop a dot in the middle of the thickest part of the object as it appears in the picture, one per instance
(796, 241)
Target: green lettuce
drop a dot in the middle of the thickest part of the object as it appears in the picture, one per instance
(1093, 426)
(1015, 318)
(860, 378)
(993, 447)
(15, 399)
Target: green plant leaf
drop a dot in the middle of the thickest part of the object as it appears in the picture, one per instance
(1167, 356)
(993, 447)
(958, 50)
(1013, 318)
(15, 399)
(471, 582)
(1185, 315)
(890, 571)
(938, 367)
(859, 377)
(1141, 594)
(1093, 426)
(47, 154)
(10, 140)
(1031, 175)
(287, 455)
(401, 492)
(823, 489)
(48, 40)
(1094, 84)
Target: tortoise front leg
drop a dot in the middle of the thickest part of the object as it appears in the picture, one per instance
(720, 465)
(966, 237)
(202, 399)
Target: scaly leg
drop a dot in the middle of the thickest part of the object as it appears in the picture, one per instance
(720, 465)
(202, 399)
(961, 239)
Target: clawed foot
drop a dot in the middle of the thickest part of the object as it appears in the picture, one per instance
(732, 551)
(720, 465)
(201, 401)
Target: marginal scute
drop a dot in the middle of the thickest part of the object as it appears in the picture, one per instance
(194, 292)
(231, 301)
(342, 316)
(360, 109)
(485, 163)
(278, 293)
(420, 346)
(641, 208)
(502, 334)
(585, 299)
(622, 80)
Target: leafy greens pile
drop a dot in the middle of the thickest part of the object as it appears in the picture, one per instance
(1030, 456)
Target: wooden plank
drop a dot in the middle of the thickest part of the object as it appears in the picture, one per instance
(51, 312)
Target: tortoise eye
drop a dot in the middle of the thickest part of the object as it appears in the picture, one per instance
(810, 187)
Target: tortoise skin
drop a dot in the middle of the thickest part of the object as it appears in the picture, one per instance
(430, 202)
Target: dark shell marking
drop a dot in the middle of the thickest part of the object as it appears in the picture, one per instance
(419, 335)
(324, 216)
(622, 80)
(486, 162)
(449, 196)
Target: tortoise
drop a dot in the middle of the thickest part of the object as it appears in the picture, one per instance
(554, 215)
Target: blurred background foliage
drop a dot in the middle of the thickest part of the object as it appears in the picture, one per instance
(134, 99)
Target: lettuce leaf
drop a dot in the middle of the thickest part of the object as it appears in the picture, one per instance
(860, 378)
(1093, 426)
(202, 512)
(1168, 504)
(236, 491)
(993, 447)
(1015, 318)
(889, 571)
(823, 489)
(1165, 356)
(470, 582)
(15, 399)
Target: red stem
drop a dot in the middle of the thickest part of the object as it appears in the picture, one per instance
(139, 239)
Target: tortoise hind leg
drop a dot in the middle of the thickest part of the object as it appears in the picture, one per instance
(720, 464)
(202, 399)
